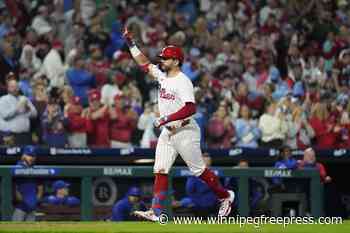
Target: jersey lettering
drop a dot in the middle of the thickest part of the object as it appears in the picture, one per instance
(163, 94)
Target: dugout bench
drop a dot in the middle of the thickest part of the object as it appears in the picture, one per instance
(87, 173)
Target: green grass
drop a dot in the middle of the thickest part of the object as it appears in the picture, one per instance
(145, 227)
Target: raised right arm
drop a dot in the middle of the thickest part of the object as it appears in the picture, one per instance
(144, 63)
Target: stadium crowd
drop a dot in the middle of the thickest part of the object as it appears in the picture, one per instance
(266, 72)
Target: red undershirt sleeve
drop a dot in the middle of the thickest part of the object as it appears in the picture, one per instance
(186, 111)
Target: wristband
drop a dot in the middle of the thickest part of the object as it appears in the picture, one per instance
(135, 51)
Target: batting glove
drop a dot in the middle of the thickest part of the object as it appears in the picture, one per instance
(160, 121)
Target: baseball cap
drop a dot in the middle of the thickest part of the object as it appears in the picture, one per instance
(119, 56)
(120, 79)
(134, 191)
(57, 44)
(30, 150)
(118, 96)
(59, 184)
(94, 95)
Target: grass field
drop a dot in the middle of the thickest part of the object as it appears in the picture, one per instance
(145, 227)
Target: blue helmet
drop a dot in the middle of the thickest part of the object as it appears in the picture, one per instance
(30, 150)
(59, 184)
(134, 191)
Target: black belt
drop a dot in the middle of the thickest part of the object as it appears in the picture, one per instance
(173, 128)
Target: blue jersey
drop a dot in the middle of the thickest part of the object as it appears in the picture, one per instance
(123, 209)
(28, 188)
(200, 193)
(68, 200)
(290, 163)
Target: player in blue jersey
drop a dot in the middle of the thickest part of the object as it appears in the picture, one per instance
(28, 191)
(124, 208)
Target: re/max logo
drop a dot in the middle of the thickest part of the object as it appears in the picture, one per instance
(112, 171)
(278, 173)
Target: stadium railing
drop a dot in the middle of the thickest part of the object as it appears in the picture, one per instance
(87, 173)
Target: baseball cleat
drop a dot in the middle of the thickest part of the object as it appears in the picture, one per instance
(225, 204)
(147, 215)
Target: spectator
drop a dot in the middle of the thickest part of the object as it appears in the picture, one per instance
(96, 34)
(275, 47)
(54, 126)
(87, 10)
(28, 191)
(111, 89)
(66, 95)
(323, 125)
(43, 48)
(8, 63)
(133, 93)
(116, 78)
(281, 88)
(247, 132)
(270, 9)
(57, 18)
(309, 162)
(41, 23)
(145, 124)
(117, 41)
(98, 66)
(273, 126)
(29, 60)
(40, 100)
(98, 121)
(190, 67)
(202, 115)
(300, 132)
(123, 122)
(220, 129)
(53, 66)
(80, 80)
(73, 40)
(250, 76)
(5, 21)
(123, 209)
(77, 124)
(60, 195)
(244, 97)
(24, 84)
(16, 112)
(30, 38)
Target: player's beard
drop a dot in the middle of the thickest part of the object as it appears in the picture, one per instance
(164, 68)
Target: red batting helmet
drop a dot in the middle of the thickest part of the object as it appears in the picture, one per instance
(172, 51)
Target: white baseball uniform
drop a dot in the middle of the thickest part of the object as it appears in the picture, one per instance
(173, 93)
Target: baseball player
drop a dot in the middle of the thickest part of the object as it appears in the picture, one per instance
(180, 134)
(61, 195)
(123, 209)
(28, 191)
